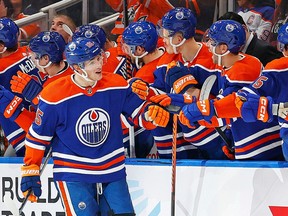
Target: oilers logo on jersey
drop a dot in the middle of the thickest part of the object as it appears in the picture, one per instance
(92, 127)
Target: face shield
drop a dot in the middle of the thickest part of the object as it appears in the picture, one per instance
(36, 57)
(168, 35)
(131, 51)
(92, 65)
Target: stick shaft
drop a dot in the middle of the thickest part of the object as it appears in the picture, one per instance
(174, 152)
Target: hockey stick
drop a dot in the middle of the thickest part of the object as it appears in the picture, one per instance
(125, 13)
(131, 128)
(205, 91)
(204, 94)
(9, 202)
(174, 153)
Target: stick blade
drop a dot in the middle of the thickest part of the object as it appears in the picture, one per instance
(11, 205)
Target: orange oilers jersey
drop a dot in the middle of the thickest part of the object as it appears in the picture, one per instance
(147, 70)
(66, 71)
(85, 124)
(279, 64)
(241, 74)
(115, 63)
(145, 10)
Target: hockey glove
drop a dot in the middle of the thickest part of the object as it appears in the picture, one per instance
(202, 109)
(10, 105)
(31, 181)
(140, 87)
(173, 102)
(24, 84)
(185, 121)
(255, 108)
(179, 77)
(215, 122)
(157, 115)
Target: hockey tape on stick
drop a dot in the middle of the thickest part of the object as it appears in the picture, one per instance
(206, 87)
(280, 109)
(204, 94)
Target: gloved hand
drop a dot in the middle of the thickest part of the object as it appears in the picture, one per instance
(179, 77)
(255, 108)
(31, 181)
(24, 84)
(173, 102)
(202, 109)
(140, 87)
(10, 105)
(214, 122)
(156, 114)
(185, 121)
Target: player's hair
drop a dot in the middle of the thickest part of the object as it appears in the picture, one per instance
(232, 16)
(71, 24)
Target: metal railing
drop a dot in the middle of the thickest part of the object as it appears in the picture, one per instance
(47, 13)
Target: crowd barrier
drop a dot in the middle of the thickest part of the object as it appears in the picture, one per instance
(203, 188)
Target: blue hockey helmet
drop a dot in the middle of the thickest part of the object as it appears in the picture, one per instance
(9, 32)
(141, 33)
(80, 50)
(48, 43)
(227, 32)
(178, 20)
(91, 31)
(282, 37)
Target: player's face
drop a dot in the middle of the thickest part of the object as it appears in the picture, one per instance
(214, 49)
(166, 40)
(128, 50)
(36, 59)
(57, 26)
(93, 67)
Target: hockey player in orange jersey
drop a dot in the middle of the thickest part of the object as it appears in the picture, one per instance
(81, 113)
(139, 42)
(46, 50)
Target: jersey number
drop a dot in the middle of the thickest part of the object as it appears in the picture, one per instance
(258, 83)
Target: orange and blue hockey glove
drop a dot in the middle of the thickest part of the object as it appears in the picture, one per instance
(31, 181)
(179, 77)
(156, 115)
(10, 105)
(141, 88)
(175, 101)
(203, 109)
(253, 107)
(24, 84)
